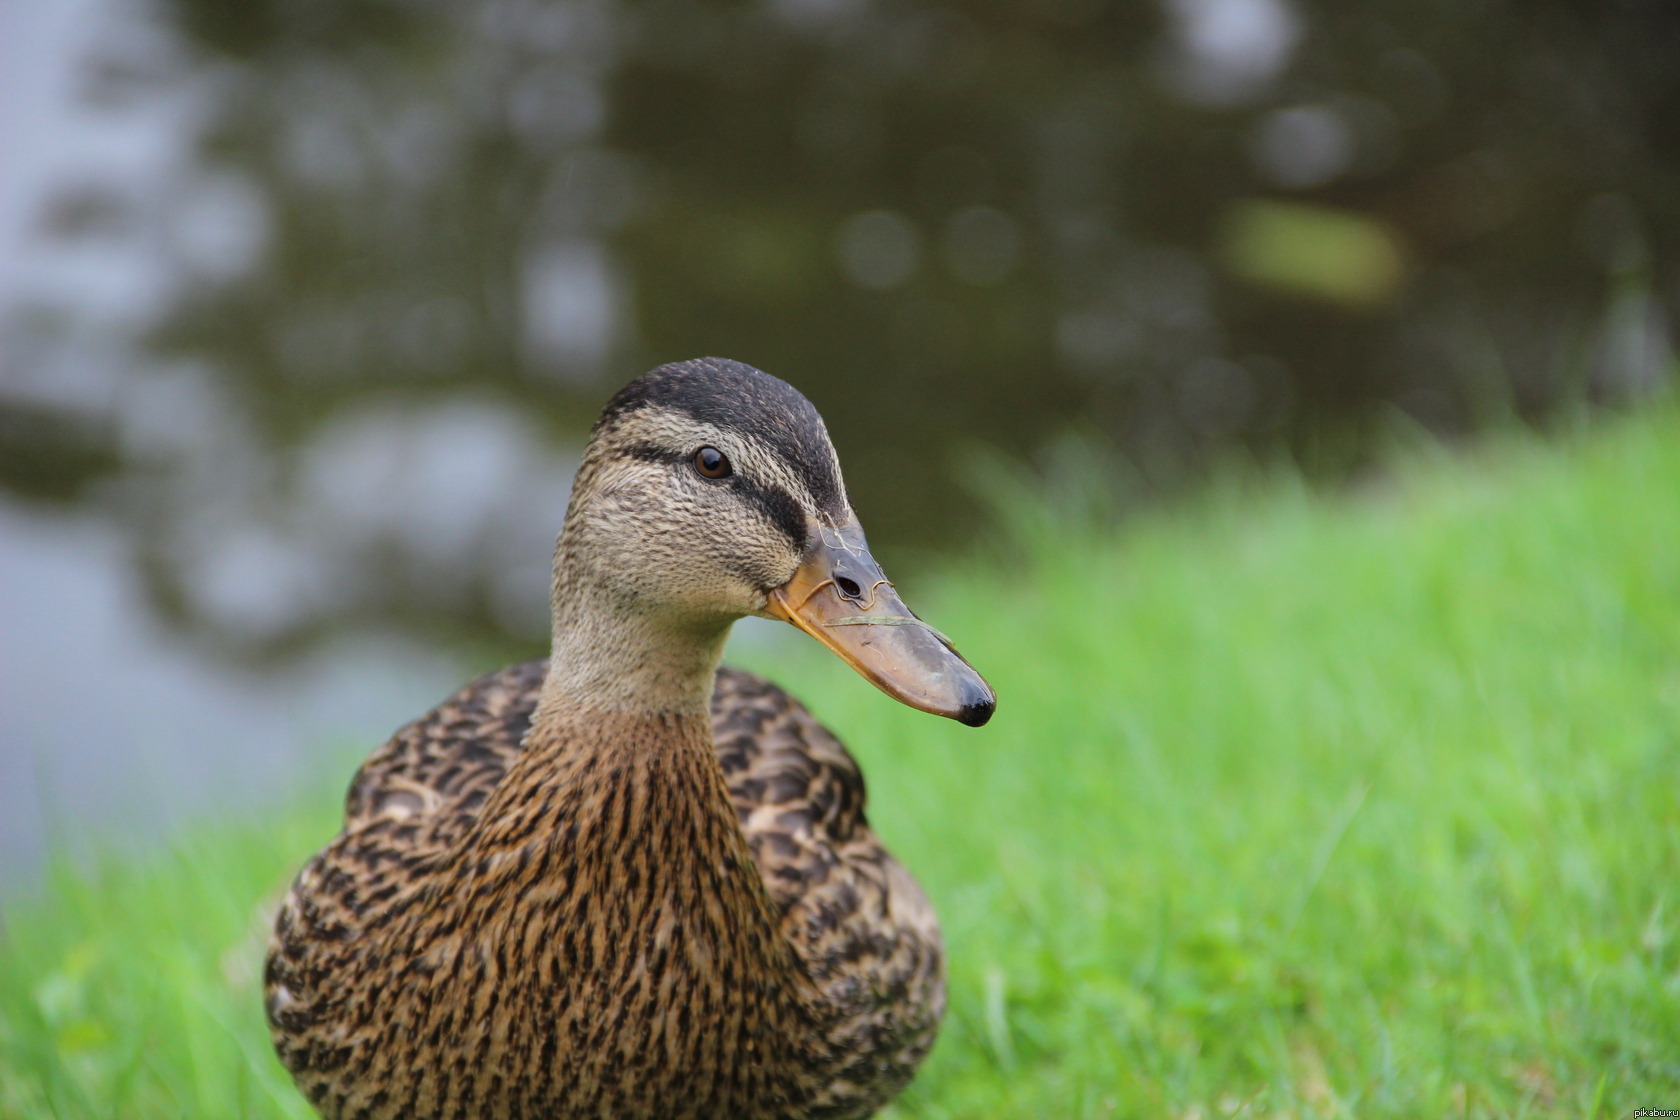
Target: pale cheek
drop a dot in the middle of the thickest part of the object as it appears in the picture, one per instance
(633, 548)
(689, 554)
(786, 564)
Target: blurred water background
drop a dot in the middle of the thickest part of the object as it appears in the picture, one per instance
(306, 305)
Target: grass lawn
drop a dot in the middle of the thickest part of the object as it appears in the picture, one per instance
(1294, 805)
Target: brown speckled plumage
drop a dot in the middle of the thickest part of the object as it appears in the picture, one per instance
(555, 899)
(862, 986)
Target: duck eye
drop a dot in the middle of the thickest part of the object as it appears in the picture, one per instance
(711, 463)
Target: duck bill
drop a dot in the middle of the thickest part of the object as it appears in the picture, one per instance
(841, 598)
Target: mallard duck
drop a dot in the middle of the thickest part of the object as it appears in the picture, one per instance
(625, 882)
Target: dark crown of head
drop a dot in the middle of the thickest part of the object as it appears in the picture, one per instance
(736, 397)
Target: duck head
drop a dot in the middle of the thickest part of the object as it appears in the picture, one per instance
(710, 491)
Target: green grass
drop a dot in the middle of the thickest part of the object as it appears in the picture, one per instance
(1364, 805)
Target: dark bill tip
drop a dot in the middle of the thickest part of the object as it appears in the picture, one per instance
(977, 713)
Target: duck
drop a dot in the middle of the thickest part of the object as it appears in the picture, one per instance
(625, 882)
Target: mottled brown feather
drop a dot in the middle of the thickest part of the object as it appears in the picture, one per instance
(436, 959)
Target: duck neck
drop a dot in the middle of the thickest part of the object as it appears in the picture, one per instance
(620, 744)
(618, 761)
(615, 654)
(616, 820)
(614, 847)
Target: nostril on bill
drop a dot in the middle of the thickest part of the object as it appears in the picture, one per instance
(848, 587)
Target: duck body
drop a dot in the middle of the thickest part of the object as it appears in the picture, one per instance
(652, 1024)
(624, 883)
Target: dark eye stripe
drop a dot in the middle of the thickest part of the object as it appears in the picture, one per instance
(779, 507)
(651, 453)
